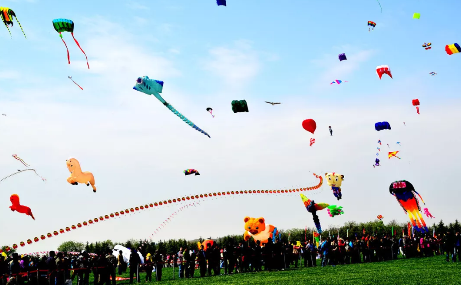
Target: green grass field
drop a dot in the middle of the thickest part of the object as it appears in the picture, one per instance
(434, 270)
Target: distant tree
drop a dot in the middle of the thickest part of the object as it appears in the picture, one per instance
(441, 228)
(71, 246)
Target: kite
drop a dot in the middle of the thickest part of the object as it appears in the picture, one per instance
(334, 181)
(427, 46)
(379, 126)
(342, 56)
(337, 81)
(331, 131)
(312, 141)
(398, 143)
(415, 103)
(379, 141)
(19, 171)
(393, 154)
(309, 125)
(15, 206)
(221, 2)
(79, 176)
(432, 73)
(383, 69)
(239, 106)
(206, 243)
(4, 115)
(191, 171)
(404, 192)
(70, 77)
(427, 213)
(313, 207)
(453, 48)
(7, 16)
(378, 148)
(20, 159)
(404, 124)
(416, 15)
(380, 6)
(155, 87)
(259, 230)
(371, 24)
(388, 145)
(272, 103)
(380, 217)
(65, 25)
(210, 110)
(376, 162)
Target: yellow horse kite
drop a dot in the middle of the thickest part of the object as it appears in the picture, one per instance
(77, 176)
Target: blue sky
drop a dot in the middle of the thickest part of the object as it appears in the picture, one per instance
(208, 56)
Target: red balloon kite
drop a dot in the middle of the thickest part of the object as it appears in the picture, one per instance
(18, 207)
(383, 69)
(309, 125)
(415, 103)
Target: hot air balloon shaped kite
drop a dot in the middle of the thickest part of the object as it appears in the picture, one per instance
(65, 25)
(155, 87)
(415, 103)
(7, 16)
(404, 192)
(383, 69)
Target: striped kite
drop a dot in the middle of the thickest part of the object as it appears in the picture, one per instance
(65, 25)
(7, 16)
(453, 48)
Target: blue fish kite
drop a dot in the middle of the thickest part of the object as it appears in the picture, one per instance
(155, 87)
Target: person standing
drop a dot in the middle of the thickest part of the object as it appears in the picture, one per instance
(209, 257)
(202, 261)
(193, 257)
(148, 267)
(186, 261)
(180, 260)
(51, 268)
(134, 265)
(158, 259)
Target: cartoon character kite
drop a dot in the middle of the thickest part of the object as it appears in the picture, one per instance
(155, 87)
(404, 192)
(427, 46)
(383, 69)
(427, 213)
(65, 25)
(393, 154)
(79, 176)
(331, 131)
(335, 180)
(371, 24)
(210, 110)
(415, 103)
(191, 171)
(313, 207)
(7, 16)
(376, 162)
(342, 56)
(15, 206)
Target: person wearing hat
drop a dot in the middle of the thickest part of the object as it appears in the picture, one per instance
(148, 267)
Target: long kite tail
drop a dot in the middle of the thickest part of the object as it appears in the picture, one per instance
(68, 57)
(186, 120)
(19, 171)
(81, 50)
(8, 29)
(380, 6)
(21, 30)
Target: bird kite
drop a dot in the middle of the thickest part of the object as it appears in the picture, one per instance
(371, 24)
(312, 141)
(337, 81)
(239, 106)
(272, 103)
(7, 16)
(427, 46)
(191, 171)
(393, 154)
(155, 87)
(15, 206)
(427, 213)
(335, 180)
(404, 192)
(65, 25)
(313, 207)
(453, 48)
(70, 77)
(210, 110)
(415, 103)
(383, 69)
(342, 56)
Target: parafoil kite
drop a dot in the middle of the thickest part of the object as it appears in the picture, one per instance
(258, 229)
(371, 24)
(416, 15)
(155, 87)
(404, 192)
(210, 110)
(380, 217)
(65, 25)
(206, 243)
(239, 106)
(427, 213)
(221, 2)
(7, 16)
(427, 46)
(79, 176)
(342, 56)
(415, 103)
(191, 171)
(309, 125)
(337, 81)
(383, 69)
(313, 207)
(16, 206)
(70, 77)
(379, 126)
(376, 162)
(453, 48)
(335, 180)
(393, 154)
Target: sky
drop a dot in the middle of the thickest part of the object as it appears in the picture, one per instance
(208, 56)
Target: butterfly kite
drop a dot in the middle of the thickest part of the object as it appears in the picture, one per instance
(65, 25)
(155, 87)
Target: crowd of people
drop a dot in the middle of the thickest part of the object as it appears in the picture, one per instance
(61, 268)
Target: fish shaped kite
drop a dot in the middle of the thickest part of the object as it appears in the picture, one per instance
(155, 87)
(383, 69)
(404, 192)
(313, 207)
(15, 206)
(427, 213)
(65, 25)
(7, 16)
(191, 171)
(210, 110)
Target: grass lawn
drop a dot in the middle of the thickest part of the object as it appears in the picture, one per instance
(433, 270)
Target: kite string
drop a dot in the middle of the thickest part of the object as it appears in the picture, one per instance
(81, 50)
(380, 6)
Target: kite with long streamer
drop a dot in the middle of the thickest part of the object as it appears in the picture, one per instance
(20, 159)
(65, 25)
(312, 208)
(7, 16)
(380, 5)
(155, 87)
(70, 77)
(173, 215)
(15, 156)
(170, 201)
